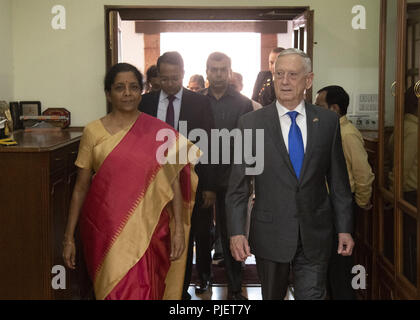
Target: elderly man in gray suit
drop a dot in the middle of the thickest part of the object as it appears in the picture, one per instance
(303, 193)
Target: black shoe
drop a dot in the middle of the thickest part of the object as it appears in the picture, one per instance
(220, 263)
(203, 287)
(218, 256)
(236, 296)
(186, 296)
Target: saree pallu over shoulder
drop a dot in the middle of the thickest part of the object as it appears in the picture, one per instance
(127, 199)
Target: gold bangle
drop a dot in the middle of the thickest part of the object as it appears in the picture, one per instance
(68, 242)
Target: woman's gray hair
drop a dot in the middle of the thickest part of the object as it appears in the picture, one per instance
(306, 60)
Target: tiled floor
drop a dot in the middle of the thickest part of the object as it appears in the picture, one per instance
(219, 292)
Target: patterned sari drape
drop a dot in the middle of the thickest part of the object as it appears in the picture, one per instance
(126, 220)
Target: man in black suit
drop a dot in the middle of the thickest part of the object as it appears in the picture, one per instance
(264, 89)
(174, 104)
(227, 105)
(294, 215)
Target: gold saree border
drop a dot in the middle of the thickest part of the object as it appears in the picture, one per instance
(132, 241)
(175, 277)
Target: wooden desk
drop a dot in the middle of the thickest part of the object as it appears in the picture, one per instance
(37, 178)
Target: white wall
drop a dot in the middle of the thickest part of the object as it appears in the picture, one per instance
(132, 45)
(285, 40)
(344, 56)
(65, 68)
(6, 51)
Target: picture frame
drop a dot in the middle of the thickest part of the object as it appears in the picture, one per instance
(30, 108)
(16, 111)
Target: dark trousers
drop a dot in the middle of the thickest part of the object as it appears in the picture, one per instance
(233, 268)
(339, 275)
(339, 270)
(201, 224)
(309, 278)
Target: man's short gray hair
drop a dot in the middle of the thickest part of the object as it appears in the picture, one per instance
(306, 59)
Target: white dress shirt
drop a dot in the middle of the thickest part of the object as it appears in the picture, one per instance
(286, 122)
(163, 106)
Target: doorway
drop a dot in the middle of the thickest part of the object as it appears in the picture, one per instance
(139, 35)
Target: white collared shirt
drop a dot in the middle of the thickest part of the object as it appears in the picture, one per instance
(163, 106)
(285, 122)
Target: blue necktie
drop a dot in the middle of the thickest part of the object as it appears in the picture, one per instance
(296, 150)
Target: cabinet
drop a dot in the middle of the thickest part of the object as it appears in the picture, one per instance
(37, 178)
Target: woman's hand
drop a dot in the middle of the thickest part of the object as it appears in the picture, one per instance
(177, 244)
(69, 254)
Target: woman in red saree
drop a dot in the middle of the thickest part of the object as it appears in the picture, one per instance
(132, 208)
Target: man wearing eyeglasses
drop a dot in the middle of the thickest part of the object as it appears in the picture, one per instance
(293, 218)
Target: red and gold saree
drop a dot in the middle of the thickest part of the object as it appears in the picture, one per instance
(126, 220)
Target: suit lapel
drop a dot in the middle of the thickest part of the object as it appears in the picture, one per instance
(184, 105)
(155, 103)
(312, 123)
(273, 126)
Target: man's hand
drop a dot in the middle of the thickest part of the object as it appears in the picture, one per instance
(239, 248)
(345, 244)
(209, 198)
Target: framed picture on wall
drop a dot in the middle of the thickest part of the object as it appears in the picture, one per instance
(30, 108)
(16, 111)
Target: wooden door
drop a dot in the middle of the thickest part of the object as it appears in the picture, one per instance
(114, 37)
(113, 42)
(303, 38)
(399, 220)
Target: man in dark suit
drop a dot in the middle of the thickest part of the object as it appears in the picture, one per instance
(264, 89)
(227, 105)
(294, 215)
(174, 104)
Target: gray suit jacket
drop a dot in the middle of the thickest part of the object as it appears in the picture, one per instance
(286, 204)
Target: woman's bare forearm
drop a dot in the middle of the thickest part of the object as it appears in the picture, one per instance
(177, 204)
(81, 188)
